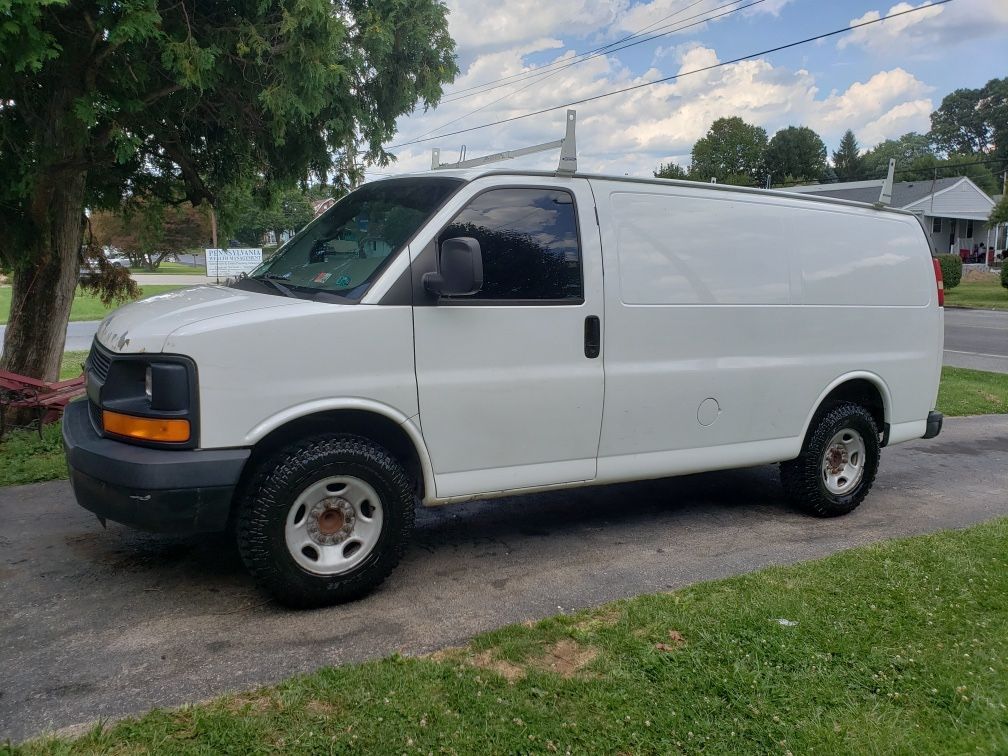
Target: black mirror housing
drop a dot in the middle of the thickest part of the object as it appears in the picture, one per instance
(460, 269)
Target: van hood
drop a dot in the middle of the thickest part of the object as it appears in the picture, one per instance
(145, 325)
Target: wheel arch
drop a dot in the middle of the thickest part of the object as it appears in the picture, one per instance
(861, 387)
(378, 422)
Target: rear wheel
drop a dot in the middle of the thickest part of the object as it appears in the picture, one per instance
(837, 464)
(325, 520)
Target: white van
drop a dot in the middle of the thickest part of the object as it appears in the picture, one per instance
(483, 333)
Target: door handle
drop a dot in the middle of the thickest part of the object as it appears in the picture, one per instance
(592, 337)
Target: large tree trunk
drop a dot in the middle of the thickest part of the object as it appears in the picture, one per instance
(43, 288)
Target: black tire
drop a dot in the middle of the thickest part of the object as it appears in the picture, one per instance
(272, 491)
(802, 478)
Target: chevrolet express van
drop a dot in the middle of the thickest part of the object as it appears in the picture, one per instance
(470, 334)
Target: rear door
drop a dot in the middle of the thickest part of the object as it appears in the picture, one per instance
(510, 397)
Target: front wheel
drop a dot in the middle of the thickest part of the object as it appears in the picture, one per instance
(837, 464)
(325, 520)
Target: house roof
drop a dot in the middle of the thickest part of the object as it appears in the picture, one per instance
(904, 192)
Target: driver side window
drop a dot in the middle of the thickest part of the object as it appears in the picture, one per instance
(529, 241)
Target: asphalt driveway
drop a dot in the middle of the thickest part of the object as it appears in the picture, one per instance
(100, 623)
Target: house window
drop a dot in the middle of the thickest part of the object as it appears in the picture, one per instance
(936, 225)
(969, 229)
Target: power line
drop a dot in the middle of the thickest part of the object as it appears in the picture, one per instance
(673, 77)
(544, 76)
(604, 50)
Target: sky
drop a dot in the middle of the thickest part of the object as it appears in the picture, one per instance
(881, 81)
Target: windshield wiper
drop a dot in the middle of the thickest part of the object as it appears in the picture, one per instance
(270, 278)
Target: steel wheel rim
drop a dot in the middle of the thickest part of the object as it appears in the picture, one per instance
(333, 525)
(843, 462)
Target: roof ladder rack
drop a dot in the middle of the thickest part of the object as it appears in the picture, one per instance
(885, 196)
(567, 145)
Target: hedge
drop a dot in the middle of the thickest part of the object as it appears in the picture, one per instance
(951, 268)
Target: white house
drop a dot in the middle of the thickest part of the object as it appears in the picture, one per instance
(954, 211)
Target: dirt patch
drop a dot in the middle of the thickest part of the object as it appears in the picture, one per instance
(450, 654)
(676, 641)
(978, 275)
(507, 670)
(322, 708)
(604, 618)
(252, 702)
(566, 658)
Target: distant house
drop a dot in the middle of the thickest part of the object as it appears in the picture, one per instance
(320, 206)
(954, 212)
(271, 238)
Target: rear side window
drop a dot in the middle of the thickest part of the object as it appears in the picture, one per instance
(529, 241)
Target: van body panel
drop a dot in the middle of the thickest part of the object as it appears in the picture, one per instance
(724, 331)
(507, 396)
(144, 325)
(307, 355)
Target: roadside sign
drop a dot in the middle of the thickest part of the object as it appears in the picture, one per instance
(224, 263)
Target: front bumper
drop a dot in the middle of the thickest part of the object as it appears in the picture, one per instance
(163, 490)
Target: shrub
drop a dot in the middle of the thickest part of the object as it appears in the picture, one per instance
(951, 268)
(1004, 273)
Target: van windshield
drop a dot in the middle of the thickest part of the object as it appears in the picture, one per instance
(344, 250)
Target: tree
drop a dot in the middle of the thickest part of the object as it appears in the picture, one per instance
(671, 170)
(731, 152)
(994, 108)
(973, 121)
(100, 99)
(148, 232)
(798, 152)
(247, 215)
(1000, 212)
(907, 149)
(957, 126)
(847, 158)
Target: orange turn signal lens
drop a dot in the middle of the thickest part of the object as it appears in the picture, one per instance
(145, 428)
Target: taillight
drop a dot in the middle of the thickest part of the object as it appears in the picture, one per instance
(939, 281)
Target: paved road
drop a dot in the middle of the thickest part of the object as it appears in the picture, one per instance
(98, 623)
(976, 339)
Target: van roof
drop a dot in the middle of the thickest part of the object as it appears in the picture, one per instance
(471, 174)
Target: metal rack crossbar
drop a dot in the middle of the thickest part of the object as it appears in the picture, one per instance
(567, 146)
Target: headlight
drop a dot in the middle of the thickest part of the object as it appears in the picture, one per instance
(150, 399)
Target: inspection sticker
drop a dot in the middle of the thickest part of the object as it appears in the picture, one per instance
(343, 281)
(322, 277)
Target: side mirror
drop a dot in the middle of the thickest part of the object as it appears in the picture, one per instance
(460, 269)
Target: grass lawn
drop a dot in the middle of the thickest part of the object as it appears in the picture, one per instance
(172, 269)
(898, 647)
(85, 306)
(972, 392)
(987, 294)
(26, 459)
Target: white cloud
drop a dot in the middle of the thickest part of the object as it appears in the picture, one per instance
(633, 132)
(662, 15)
(931, 31)
(480, 25)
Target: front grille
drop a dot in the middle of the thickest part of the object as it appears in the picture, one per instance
(95, 414)
(98, 362)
